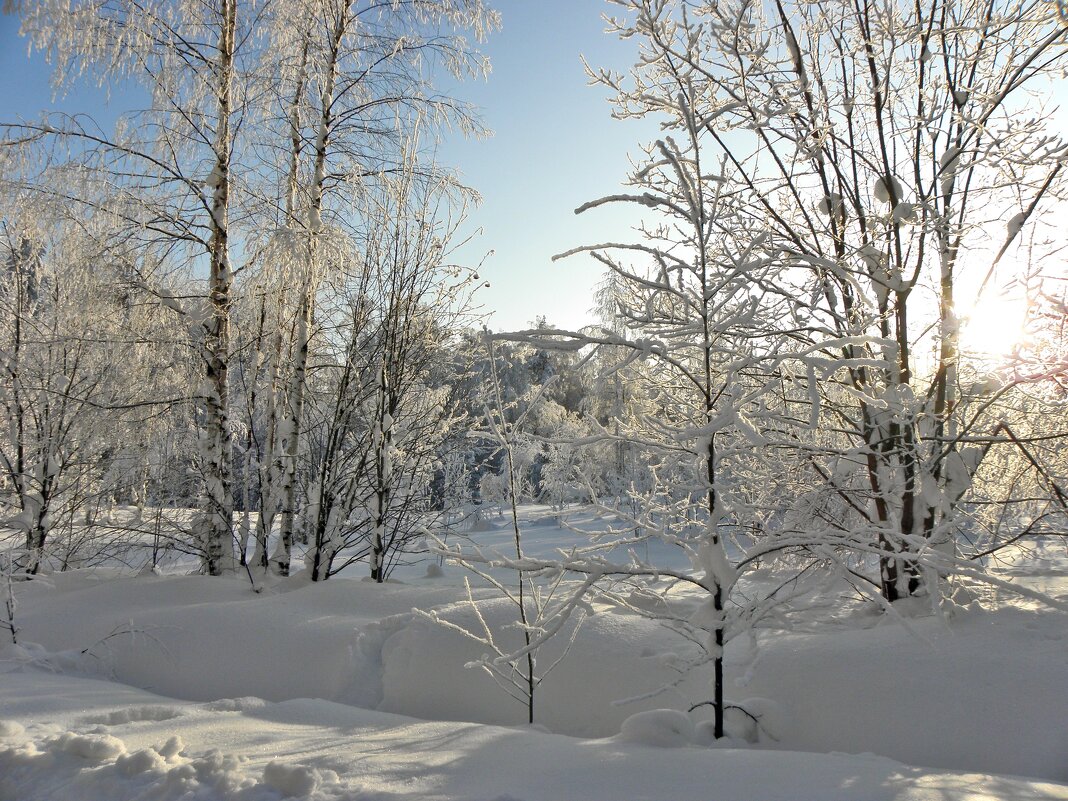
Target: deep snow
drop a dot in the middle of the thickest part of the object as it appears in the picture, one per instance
(970, 694)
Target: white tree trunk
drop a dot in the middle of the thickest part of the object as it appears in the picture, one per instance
(215, 528)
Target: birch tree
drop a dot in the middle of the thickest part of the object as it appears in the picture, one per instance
(172, 171)
(356, 81)
(306, 97)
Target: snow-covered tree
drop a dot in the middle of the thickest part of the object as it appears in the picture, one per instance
(262, 122)
(880, 151)
(353, 81)
(691, 302)
(70, 386)
(386, 411)
(172, 171)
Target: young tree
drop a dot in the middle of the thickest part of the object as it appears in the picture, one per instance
(690, 301)
(543, 601)
(386, 411)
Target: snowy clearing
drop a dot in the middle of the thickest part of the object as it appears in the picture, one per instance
(339, 690)
(288, 510)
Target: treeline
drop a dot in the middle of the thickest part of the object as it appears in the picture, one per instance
(245, 300)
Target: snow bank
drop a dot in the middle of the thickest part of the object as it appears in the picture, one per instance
(202, 639)
(424, 673)
(981, 691)
(663, 728)
(321, 751)
(212, 640)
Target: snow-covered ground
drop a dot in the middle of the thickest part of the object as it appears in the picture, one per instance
(340, 690)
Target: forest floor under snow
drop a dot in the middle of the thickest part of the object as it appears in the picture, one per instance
(168, 687)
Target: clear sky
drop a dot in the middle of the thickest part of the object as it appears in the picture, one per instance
(555, 147)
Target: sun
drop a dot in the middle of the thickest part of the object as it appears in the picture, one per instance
(993, 327)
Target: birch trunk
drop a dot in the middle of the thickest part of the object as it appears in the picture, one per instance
(283, 551)
(216, 523)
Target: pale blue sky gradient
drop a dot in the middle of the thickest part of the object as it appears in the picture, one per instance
(554, 147)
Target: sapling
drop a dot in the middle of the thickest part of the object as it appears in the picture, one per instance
(9, 598)
(543, 601)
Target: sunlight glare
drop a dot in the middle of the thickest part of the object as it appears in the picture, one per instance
(994, 326)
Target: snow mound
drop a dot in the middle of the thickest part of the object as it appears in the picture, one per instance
(248, 703)
(757, 720)
(32, 655)
(296, 781)
(143, 761)
(92, 747)
(98, 767)
(661, 728)
(171, 749)
(136, 714)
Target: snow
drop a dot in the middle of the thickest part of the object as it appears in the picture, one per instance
(832, 205)
(1016, 223)
(187, 687)
(295, 781)
(663, 728)
(91, 747)
(318, 750)
(887, 188)
(974, 693)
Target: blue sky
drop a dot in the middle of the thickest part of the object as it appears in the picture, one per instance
(555, 147)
